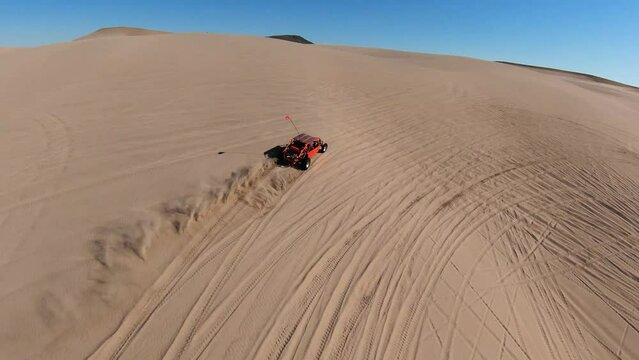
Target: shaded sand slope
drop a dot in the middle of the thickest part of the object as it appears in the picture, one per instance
(292, 38)
(465, 209)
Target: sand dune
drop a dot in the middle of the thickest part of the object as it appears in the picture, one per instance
(120, 31)
(465, 209)
(7, 50)
(572, 74)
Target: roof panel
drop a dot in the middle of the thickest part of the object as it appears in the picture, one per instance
(305, 138)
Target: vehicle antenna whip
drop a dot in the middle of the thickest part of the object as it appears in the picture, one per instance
(290, 119)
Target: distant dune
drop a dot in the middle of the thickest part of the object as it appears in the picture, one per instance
(571, 73)
(292, 38)
(120, 31)
(465, 209)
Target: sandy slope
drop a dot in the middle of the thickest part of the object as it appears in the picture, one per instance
(465, 209)
(7, 50)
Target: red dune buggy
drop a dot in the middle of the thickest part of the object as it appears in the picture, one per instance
(301, 149)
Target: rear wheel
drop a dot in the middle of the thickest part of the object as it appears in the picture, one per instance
(324, 148)
(305, 164)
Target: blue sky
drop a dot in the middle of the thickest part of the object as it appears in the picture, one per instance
(592, 36)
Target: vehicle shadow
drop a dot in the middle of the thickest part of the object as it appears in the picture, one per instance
(277, 153)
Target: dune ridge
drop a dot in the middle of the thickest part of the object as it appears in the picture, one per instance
(571, 73)
(117, 31)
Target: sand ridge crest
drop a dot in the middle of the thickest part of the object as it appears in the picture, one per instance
(117, 31)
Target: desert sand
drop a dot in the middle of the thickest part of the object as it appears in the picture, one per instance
(120, 31)
(465, 209)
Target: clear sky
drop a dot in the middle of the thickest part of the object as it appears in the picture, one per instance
(593, 36)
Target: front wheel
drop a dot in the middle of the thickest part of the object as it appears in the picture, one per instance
(305, 164)
(324, 148)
